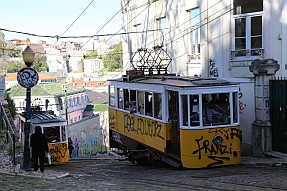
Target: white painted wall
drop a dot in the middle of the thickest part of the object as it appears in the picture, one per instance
(216, 42)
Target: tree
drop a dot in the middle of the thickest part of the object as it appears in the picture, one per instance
(11, 106)
(2, 39)
(39, 64)
(92, 55)
(15, 66)
(113, 61)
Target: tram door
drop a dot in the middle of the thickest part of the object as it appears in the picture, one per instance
(173, 146)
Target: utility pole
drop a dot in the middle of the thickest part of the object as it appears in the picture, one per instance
(64, 87)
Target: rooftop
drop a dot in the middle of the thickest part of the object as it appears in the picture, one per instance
(43, 89)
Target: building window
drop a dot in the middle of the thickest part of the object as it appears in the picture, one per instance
(248, 28)
(139, 34)
(194, 23)
(161, 26)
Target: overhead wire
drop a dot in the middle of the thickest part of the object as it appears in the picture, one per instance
(145, 30)
(58, 37)
(105, 24)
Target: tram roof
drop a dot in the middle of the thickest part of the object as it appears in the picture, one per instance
(179, 81)
(39, 118)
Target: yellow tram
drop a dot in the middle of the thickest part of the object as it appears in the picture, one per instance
(55, 129)
(181, 121)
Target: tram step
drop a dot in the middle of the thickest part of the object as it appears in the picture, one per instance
(172, 155)
(277, 154)
(171, 161)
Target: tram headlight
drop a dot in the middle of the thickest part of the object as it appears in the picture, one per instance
(217, 139)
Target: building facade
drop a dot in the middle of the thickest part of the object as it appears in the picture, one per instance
(208, 38)
(51, 96)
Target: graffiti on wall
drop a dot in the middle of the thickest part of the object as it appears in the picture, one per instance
(88, 142)
(213, 70)
(89, 139)
(242, 105)
(218, 153)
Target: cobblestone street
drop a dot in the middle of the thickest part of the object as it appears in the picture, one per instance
(110, 174)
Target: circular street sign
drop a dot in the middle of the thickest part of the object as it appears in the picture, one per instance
(27, 77)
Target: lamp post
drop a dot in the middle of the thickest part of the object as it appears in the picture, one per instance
(64, 87)
(27, 78)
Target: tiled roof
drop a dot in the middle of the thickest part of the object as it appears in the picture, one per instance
(43, 89)
(82, 83)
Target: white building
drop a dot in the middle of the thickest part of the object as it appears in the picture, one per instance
(55, 60)
(93, 65)
(211, 38)
(51, 96)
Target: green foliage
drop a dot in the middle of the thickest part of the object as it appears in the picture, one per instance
(114, 59)
(15, 66)
(11, 106)
(2, 39)
(91, 56)
(39, 64)
(100, 107)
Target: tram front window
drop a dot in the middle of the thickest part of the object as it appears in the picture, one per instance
(53, 134)
(215, 109)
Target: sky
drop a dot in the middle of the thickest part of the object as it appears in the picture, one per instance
(54, 17)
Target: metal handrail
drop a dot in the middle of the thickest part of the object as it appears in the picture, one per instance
(10, 131)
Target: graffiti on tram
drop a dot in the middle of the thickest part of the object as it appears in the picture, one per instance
(217, 153)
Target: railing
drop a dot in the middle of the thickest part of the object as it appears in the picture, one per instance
(243, 53)
(8, 128)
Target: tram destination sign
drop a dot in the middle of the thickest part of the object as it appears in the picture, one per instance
(27, 77)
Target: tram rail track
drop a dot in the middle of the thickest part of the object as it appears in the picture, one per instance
(234, 178)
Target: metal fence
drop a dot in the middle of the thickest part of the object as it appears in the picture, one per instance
(8, 130)
(278, 113)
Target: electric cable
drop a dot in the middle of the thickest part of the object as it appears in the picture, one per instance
(57, 37)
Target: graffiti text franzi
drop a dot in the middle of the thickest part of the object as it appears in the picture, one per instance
(144, 126)
(217, 153)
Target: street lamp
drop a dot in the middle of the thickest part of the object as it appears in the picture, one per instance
(28, 57)
(65, 87)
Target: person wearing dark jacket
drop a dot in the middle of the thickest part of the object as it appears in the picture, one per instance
(39, 146)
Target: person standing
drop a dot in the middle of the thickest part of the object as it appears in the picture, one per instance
(39, 145)
(70, 146)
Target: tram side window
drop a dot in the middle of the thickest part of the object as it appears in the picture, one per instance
(194, 110)
(126, 99)
(112, 96)
(235, 107)
(141, 102)
(191, 104)
(215, 109)
(64, 138)
(157, 105)
(120, 98)
(148, 104)
(184, 110)
(53, 134)
(133, 101)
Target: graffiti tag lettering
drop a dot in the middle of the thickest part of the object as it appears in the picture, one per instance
(144, 127)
